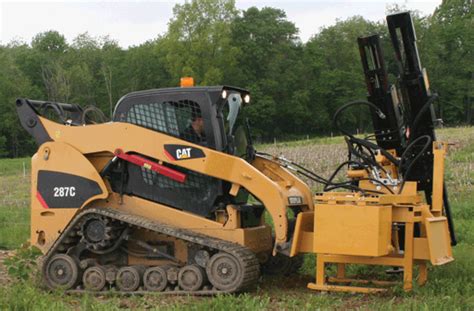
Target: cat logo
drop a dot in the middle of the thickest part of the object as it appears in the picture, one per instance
(184, 153)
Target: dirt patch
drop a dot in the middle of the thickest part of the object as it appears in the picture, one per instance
(4, 277)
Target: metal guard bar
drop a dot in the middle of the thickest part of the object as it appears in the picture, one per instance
(148, 164)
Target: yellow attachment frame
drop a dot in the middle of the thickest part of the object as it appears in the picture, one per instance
(354, 228)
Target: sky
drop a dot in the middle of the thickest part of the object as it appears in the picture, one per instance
(134, 22)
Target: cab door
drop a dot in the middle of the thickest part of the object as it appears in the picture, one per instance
(173, 114)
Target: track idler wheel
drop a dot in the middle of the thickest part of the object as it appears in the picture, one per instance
(129, 278)
(224, 272)
(61, 271)
(191, 278)
(94, 278)
(155, 279)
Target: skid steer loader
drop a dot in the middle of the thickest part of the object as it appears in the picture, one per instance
(171, 196)
(147, 201)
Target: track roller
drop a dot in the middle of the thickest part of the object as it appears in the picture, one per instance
(202, 258)
(224, 271)
(94, 278)
(110, 274)
(129, 278)
(172, 274)
(61, 271)
(191, 278)
(155, 279)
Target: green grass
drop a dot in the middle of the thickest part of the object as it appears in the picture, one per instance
(449, 287)
(14, 202)
(14, 167)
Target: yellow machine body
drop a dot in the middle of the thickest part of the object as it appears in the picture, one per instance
(84, 151)
(48, 223)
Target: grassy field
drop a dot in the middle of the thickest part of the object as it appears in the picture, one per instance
(450, 287)
(14, 202)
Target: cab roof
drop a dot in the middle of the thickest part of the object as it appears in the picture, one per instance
(193, 89)
(214, 93)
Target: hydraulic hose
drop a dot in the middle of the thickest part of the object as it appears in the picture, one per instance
(420, 113)
(405, 154)
(362, 142)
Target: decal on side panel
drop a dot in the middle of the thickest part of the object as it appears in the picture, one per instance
(62, 190)
(183, 152)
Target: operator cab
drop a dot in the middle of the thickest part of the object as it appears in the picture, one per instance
(205, 116)
(194, 114)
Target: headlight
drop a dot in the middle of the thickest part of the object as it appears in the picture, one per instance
(247, 99)
(295, 200)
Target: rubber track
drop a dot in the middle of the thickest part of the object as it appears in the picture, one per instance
(247, 259)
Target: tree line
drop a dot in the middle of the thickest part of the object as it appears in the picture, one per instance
(296, 87)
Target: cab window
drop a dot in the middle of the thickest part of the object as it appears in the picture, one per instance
(181, 119)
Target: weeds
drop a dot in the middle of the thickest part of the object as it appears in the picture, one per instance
(22, 265)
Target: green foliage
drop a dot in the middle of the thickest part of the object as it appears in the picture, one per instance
(333, 57)
(296, 87)
(198, 41)
(13, 84)
(3, 147)
(49, 41)
(449, 45)
(23, 263)
(270, 65)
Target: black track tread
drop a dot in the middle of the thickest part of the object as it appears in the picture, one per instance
(247, 259)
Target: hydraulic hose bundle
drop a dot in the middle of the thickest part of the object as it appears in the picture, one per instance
(361, 153)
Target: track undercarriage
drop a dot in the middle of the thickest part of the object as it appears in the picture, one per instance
(102, 249)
